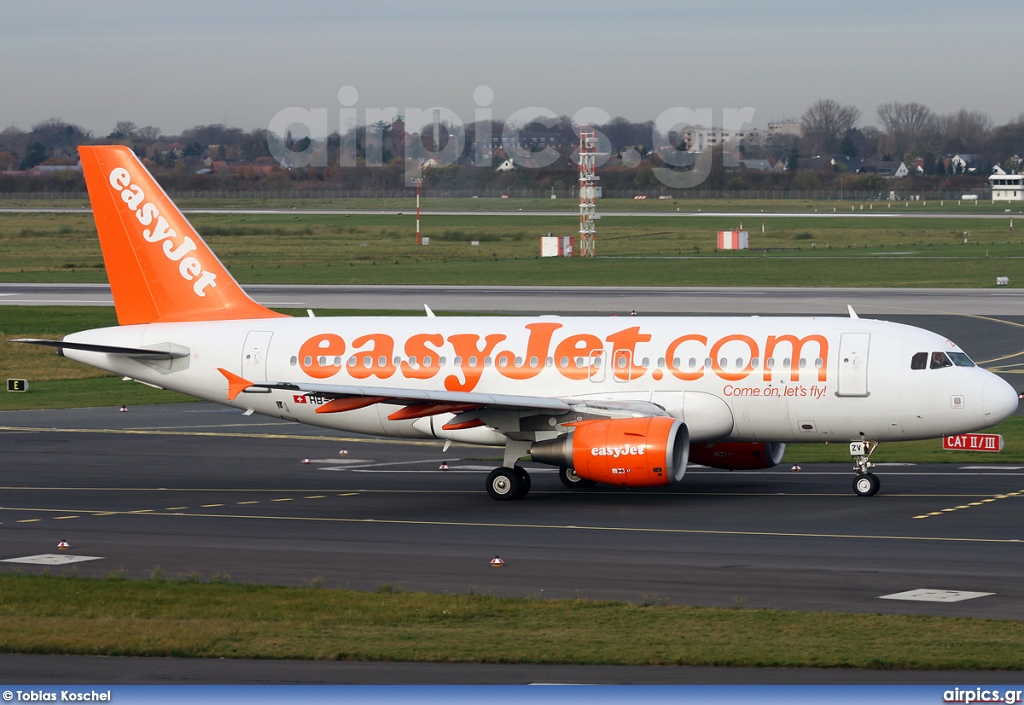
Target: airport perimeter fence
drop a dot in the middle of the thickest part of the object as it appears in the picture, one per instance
(567, 195)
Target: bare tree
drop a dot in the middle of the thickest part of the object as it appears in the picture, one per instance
(907, 126)
(825, 123)
(964, 131)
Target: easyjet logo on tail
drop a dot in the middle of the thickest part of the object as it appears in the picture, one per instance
(159, 233)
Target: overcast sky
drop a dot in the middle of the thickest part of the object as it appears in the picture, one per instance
(175, 65)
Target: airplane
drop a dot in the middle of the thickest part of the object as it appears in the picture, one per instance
(622, 401)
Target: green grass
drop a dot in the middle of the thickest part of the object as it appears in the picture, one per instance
(69, 615)
(380, 249)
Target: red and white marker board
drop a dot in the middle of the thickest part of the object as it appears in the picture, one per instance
(986, 442)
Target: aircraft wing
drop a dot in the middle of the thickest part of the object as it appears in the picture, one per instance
(420, 403)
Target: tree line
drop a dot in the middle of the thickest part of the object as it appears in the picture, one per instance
(224, 158)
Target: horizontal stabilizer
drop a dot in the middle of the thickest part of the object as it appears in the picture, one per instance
(162, 351)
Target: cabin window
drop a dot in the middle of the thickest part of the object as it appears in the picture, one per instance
(457, 361)
(294, 361)
(322, 361)
(818, 363)
(646, 362)
(549, 362)
(739, 363)
(352, 361)
(708, 363)
(519, 361)
(367, 361)
(803, 362)
(442, 361)
(534, 362)
(337, 361)
(563, 362)
(661, 362)
(919, 361)
(503, 362)
(785, 363)
(939, 360)
(472, 361)
(412, 361)
(397, 361)
(754, 362)
(427, 360)
(307, 361)
(961, 360)
(487, 361)
(769, 364)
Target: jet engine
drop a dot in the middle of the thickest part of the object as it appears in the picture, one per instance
(638, 452)
(735, 455)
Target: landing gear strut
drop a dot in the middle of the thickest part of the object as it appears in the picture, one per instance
(508, 483)
(865, 484)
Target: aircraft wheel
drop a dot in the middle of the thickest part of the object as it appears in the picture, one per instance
(866, 484)
(504, 484)
(524, 481)
(571, 480)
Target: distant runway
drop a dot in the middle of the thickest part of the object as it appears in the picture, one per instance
(577, 300)
(900, 211)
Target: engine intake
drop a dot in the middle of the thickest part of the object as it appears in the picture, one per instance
(640, 452)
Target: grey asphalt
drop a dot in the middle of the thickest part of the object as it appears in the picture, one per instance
(767, 301)
(196, 488)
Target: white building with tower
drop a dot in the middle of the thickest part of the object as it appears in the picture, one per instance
(1007, 187)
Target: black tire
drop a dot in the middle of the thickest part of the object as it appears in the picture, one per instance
(866, 484)
(503, 484)
(524, 481)
(573, 481)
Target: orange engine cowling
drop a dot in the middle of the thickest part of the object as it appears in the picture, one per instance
(734, 455)
(628, 452)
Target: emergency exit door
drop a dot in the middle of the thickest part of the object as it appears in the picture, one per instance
(853, 364)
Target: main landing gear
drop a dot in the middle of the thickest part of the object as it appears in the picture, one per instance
(508, 483)
(865, 484)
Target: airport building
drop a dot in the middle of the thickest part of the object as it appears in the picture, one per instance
(1007, 187)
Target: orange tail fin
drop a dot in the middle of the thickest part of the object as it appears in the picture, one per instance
(160, 270)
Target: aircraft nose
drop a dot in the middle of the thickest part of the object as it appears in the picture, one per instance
(999, 400)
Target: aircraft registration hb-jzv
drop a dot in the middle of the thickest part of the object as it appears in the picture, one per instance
(626, 402)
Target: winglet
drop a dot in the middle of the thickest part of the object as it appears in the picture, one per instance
(853, 314)
(236, 384)
(160, 270)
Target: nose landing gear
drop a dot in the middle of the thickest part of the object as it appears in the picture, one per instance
(865, 484)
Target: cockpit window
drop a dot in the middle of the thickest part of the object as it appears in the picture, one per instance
(919, 361)
(961, 360)
(939, 359)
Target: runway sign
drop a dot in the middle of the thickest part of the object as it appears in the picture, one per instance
(17, 385)
(985, 442)
(52, 559)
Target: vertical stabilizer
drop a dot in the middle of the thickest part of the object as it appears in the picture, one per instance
(160, 270)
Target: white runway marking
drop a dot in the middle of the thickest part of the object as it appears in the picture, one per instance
(52, 559)
(991, 467)
(926, 595)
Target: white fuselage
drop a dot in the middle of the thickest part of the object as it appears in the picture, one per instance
(781, 379)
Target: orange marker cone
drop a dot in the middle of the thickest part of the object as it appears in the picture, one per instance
(444, 466)
(496, 562)
(796, 468)
(123, 408)
(305, 461)
(63, 545)
(343, 451)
